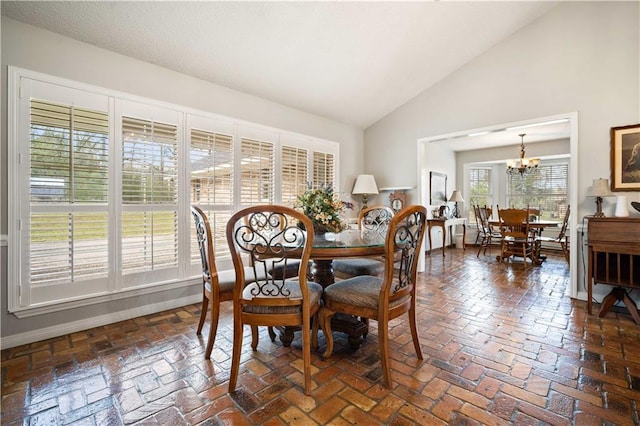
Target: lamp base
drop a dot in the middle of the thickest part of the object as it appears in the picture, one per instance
(598, 208)
(456, 212)
(364, 201)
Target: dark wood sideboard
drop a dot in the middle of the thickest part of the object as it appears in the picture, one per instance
(614, 259)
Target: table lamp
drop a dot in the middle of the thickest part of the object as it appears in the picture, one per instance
(365, 185)
(599, 189)
(456, 197)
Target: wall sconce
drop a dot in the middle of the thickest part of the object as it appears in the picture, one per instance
(365, 185)
(456, 197)
(599, 189)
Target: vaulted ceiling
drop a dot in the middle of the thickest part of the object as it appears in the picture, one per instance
(353, 62)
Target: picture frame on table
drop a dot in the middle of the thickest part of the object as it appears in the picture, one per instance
(397, 200)
(625, 158)
(438, 188)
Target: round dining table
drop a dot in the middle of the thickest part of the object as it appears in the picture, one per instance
(349, 243)
(327, 247)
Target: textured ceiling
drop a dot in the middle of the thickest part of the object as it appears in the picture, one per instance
(354, 62)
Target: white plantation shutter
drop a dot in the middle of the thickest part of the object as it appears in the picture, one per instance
(294, 173)
(99, 187)
(211, 157)
(256, 172)
(323, 169)
(68, 191)
(149, 195)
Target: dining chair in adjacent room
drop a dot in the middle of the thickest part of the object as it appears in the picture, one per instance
(387, 297)
(268, 236)
(374, 219)
(489, 235)
(217, 286)
(516, 238)
(562, 239)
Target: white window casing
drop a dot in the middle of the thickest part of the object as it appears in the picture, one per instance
(101, 183)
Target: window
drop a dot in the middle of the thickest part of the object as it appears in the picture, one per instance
(256, 172)
(211, 158)
(100, 194)
(295, 173)
(68, 186)
(149, 195)
(323, 169)
(480, 189)
(546, 188)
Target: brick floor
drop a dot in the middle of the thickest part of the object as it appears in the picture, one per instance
(501, 346)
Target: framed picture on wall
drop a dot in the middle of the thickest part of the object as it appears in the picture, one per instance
(625, 158)
(438, 188)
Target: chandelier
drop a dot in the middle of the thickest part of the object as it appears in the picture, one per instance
(523, 165)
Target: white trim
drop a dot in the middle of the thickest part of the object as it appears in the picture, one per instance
(92, 300)
(87, 323)
(422, 179)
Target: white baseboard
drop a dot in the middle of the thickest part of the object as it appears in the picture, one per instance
(85, 324)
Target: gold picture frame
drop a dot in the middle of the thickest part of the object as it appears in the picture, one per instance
(625, 158)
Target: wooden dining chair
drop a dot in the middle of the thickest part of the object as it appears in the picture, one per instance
(489, 235)
(516, 238)
(217, 286)
(268, 236)
(562, 239)
(374, 219)
(383, 298)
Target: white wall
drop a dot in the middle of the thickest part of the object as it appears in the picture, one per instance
(580, 57)
(38, 50)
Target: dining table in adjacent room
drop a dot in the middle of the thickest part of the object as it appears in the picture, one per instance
(536, 227)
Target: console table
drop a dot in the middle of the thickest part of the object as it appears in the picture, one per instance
(446, 224)
(614, 259)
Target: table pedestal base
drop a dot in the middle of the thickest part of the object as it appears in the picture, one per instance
(616, 295)
(322, 273)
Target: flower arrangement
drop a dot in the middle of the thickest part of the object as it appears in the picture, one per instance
(323, 206)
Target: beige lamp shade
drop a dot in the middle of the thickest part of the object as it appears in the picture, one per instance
(457, 197)
(365, 184)
(600, 188)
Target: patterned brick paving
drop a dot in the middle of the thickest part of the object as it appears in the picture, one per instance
(501, 346)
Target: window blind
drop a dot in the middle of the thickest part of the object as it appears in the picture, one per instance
(479, 189)
(294, 172)
(149, 189)
(211, 158)
(323, 169)
(545, 188)
(68, 167)
(256, 172)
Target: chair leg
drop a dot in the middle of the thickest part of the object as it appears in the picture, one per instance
(213, 327)
(306, 354)
(203, 313)
(565, 250)
(414, 329)
(254, 337)
(325, 322)
(314, 331)
(272, 334)
(383, 345)
(237, 350)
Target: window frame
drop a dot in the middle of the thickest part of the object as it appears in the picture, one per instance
(116, 287)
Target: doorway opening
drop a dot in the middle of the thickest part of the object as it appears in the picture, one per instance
(439, 152)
